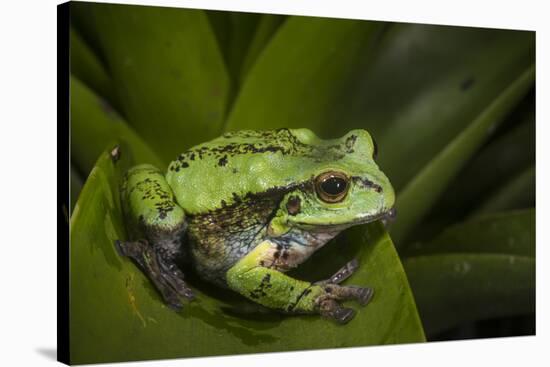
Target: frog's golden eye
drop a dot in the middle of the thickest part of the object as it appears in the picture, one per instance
(332, 186)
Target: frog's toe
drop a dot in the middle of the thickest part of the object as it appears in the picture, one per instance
(179, 286)
(119, 248)
(183, 290)
(128, 249)
(172, 301)
(343, 315)
(364, 295)
(174, 276)
(329, 308)
(345, 272)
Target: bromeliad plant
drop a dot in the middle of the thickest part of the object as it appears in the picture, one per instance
(451, 109)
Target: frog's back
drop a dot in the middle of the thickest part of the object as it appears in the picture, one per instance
(220, 172)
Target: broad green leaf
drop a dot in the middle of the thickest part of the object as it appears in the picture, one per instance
(94, 123)
(86, 66)
(482, 268)
(168, 72)
(420, 193)
(451, 289)
(298, 75)
(83, 20)
(234, 32)
(518, 193)
(220, 22)
(116, 315)
(489, 170)
(511, 232)
(497, 163)
(267, 26)
(243, 27)
(76, 183)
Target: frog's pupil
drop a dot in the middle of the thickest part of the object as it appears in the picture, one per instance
(334, 185)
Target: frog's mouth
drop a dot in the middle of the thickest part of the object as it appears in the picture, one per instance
(385, 216)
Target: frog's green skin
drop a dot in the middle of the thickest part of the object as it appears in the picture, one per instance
(248, 206)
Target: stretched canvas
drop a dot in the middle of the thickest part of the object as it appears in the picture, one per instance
(252, 183)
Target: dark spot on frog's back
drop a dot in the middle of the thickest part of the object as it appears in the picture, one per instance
(222, 161)
(350, 142)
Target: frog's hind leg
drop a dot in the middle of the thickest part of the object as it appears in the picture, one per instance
(156, 225)
(268, 286)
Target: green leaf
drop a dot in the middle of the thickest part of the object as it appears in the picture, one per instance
(499, 161)
(489, 170)
(482, 268)
(94, 123)
(267, 26)
(168, 71)
(451, 289)
(220, 22)
(87, 67)
(518, 193)
(510, 232)
(243, 27)
(299, 74)
(83, 20)
(76, 184)
(420, 194)
(116, 314)
(234, 32)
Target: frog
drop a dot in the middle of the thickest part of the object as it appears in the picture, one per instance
(245, 208)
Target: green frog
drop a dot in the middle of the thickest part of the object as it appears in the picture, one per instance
(248, 206)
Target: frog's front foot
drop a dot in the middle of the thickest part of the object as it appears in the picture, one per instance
(327, 303)
(164, 274)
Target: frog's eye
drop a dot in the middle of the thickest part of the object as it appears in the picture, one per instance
(332, 186)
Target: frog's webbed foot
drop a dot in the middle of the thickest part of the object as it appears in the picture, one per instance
(164, 274)
(333, 292)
